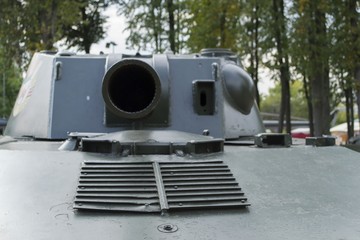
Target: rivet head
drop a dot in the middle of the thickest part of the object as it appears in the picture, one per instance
(206, 132)
(167, 228)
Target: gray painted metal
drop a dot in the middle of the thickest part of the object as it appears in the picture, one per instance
(301, 192)
(320, 141)
(62, 93)
(145, 142)
(273, 140)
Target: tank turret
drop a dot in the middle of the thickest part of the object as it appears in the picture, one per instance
(107, 93)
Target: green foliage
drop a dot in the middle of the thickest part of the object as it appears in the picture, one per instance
(11, 31)
(150, 26)
(271, 102)
(213, 24)
(10, 81)
(41, 22)
(28, 26)
(89, 28)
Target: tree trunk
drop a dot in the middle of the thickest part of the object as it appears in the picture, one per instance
(355, 38)
(256, 53)
(223, 28)
(285, 73)
(49, 23)
(170, 9)
(283, 62)
(319, 73)
(349, 103)
(357, 85)
(309, 104)
(253, 31)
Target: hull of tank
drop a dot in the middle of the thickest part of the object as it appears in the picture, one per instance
(301, 192)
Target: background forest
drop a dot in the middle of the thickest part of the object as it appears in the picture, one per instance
(309, 48)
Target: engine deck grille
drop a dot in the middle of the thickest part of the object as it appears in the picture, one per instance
(157, 186)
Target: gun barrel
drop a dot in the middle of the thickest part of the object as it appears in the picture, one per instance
(131, 89)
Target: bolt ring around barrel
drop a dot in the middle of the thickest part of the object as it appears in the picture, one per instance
(131, 89)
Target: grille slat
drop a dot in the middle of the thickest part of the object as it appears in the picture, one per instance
(195, 174)
(114, 195)
(204, 199)
(208, 205)
(117, 179)
(199, 169)
(192, 166)
(96, 175)
(104, 171)
(113, 166)
(115, 190)
(195, 179)
(130, 201)
(102, 162)
(189, 170)
(119, 207)
(157, 186)
(211, 183)
(212, 193)
(205, 188)
(130, 184)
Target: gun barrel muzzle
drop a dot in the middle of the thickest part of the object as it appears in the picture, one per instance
(131, 89)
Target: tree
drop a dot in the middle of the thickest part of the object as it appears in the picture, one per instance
(90, 27)
(341, 66)
(313, 45)
(38, 24)
(280, 35)
(298, 103)
(11, 31)
(10, 81)
(154, 25)
(252, 40)
(11, 54)
(300, 57)
(319, 70)
(42, 20)
(213, 24)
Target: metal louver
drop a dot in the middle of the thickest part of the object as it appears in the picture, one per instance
(157, 186)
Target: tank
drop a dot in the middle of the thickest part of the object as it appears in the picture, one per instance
(163, 147)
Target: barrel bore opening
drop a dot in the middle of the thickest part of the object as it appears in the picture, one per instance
(131, 89)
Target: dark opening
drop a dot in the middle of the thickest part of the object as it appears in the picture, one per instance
(274, 140)
(132, 88)
(203, 98)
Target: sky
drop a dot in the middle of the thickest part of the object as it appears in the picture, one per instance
(115, 33)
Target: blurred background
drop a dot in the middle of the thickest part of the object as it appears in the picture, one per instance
(304, 56)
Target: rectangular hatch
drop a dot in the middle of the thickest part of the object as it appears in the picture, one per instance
(157, 186)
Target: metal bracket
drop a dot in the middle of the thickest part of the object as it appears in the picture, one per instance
(267, 140)
(320, 141)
